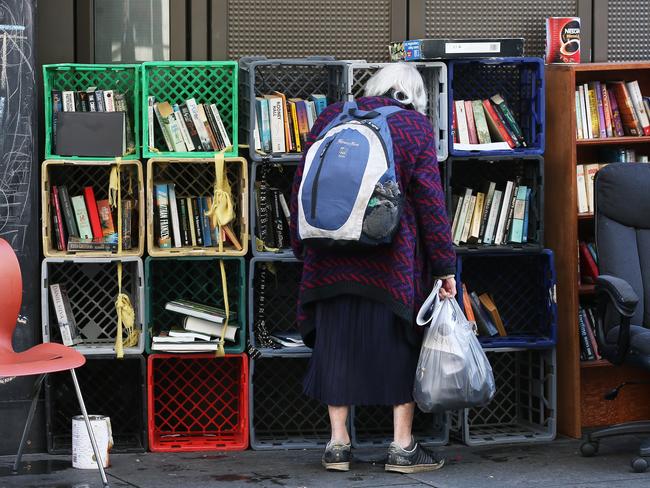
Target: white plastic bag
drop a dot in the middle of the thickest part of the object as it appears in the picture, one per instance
(453, 371)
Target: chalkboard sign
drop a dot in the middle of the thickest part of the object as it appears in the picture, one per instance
(19, 216)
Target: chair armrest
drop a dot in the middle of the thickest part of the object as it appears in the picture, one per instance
(616, 292)
(620, 293)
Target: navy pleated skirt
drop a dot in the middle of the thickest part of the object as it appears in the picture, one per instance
(361, 356)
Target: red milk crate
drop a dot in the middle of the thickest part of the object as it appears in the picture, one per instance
(197, 402)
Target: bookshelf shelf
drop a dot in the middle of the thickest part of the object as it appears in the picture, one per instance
(585, 216)
(580, 385)
(598, 363)
(613, 141)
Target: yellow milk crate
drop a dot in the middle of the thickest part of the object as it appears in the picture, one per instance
(195, 177)
(75, 175)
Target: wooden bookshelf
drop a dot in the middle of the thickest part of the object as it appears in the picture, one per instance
(581, 385)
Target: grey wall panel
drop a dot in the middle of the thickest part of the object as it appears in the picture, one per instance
(628, 23)
(347, 29)
(489, 18)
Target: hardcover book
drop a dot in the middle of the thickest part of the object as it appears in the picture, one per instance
(197, 221)
(105, 218)
(68, 211)
(488, 237)
(81, 217)
(482, 130)
(127, 222)
(63, 310)
(175, 222)
(199, 310)
(162, 212)
(471, 124)
(93, 214)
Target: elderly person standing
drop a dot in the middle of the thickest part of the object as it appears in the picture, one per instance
(356, 307)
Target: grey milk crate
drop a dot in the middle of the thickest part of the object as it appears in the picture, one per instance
(372, 426)
(92, 287)
(281, 278)
(281, 416)
(295, 78)
(434, 74)
(279, 175)
(524, 407)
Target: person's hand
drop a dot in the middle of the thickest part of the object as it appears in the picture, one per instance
(448, 288)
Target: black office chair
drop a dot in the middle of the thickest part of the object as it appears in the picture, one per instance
(622, 200)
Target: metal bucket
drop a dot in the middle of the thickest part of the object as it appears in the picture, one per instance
(83, 456)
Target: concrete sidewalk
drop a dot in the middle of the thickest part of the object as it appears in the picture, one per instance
(556, 464)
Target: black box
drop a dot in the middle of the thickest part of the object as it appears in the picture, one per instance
(428, 49)
(91, 134)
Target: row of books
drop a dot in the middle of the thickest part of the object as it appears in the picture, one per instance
(282, 124)
(182, 221)
(611, 109)
(587, 330)
(587, 262)
(188, 126)
(621, 155)
(272, 217)
(91, 100)
(487, 124)
(491, 216)
(586, 173)
(200, 329)
(482, 310)
(82, 223)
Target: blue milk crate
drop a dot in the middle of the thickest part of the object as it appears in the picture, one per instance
(474, 173)
(522, 286)
(519, 80)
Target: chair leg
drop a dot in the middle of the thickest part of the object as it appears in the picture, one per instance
(30, 417)
(91, 434)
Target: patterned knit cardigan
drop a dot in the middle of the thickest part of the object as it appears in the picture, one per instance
(398, 274)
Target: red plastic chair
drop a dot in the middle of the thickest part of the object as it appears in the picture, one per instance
(38, 360)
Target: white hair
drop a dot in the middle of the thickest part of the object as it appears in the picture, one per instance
(402, 81)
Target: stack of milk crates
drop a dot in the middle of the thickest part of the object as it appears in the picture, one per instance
(505, 277)
(84, 270)
(197, 398)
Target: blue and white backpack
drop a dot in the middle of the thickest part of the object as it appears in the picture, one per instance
(349, 193)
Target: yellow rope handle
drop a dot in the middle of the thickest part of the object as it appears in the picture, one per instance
(123, 306)
(221, 213)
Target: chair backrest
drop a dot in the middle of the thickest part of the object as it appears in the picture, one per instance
(622, 199)
(11, 293)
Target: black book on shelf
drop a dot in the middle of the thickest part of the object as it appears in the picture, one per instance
(68, 212)
(280, 231)
(183, 221)
(91, 134)
(197, 221)
(191, 128)
(265, 231)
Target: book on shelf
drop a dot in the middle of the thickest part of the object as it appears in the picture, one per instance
(612, 109)
(91, 101)
(77, 244)
(483, 321)
(467, 305)
(282, 123)
(187, 126)
(57, 218)
(183, 221)
(583, 205)
(70, 334)
(287, 339)
(588, 267)
(490, 307)
(199, 310)
(161, 195)
(183, 334)
(210, 328)
(589, 350)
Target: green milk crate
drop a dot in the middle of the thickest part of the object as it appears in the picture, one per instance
(175, 82)
(197, 279)
(124, 78)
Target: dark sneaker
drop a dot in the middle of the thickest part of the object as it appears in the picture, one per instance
(416, 460)
(336, 457)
